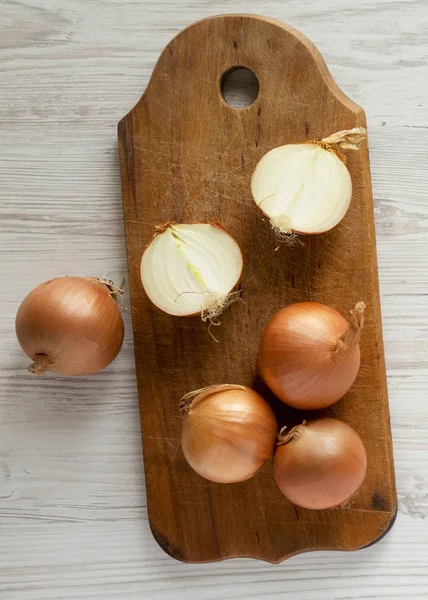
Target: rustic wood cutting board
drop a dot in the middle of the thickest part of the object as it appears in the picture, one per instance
(186, 155)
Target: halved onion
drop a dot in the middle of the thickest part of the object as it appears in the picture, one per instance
(190, 269)
(305, 188)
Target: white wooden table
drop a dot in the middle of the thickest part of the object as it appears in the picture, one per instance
(73, 522)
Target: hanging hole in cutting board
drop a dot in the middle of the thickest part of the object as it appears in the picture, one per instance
(239, 87)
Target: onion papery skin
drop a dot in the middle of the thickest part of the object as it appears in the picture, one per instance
(322, 465)
(309, 354)
(70, 325)
(229, 433)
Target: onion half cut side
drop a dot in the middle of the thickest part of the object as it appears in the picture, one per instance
(191, 269)
(302, 188)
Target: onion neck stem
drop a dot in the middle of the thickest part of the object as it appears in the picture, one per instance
(294, 434)
(348, 139)
(347, 342)
(115, 291)
(188, 400)
(39, 366)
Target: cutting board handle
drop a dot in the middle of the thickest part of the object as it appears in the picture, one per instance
(229, 47)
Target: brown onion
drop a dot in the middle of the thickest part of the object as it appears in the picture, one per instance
(70, 325)
(229, 432)
(310, 355)
(320, 464)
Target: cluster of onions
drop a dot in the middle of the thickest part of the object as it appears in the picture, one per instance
(192, 269)
(309, 354)
(70, 325)
(229, 432)
(306, 188)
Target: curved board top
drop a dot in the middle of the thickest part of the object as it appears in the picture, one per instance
(306, 48)
(187, 156)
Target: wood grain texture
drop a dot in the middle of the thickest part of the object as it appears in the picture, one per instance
(188, 156)
(73, 516)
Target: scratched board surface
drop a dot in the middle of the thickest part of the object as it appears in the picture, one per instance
(187, 156)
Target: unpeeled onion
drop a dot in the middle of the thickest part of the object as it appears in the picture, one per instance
(309, 354)
(321, 464)
(306, 188)
(70, 325)
(190, 269)
(229, 432)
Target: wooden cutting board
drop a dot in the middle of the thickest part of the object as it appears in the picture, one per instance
(186, 155)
